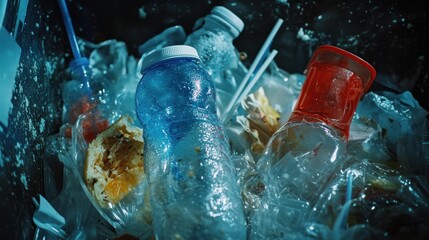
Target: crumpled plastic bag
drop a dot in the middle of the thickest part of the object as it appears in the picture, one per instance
(397, 114)
(47, 218)
(116, 75)
(85, 217)
(262, 112)
(81, 218)
(386, 201)
(108, 58)
(404, 126)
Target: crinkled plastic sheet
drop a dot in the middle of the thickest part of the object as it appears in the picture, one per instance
(386, 152)
(388, 194)
(85, 218)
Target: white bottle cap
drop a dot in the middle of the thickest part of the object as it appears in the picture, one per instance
(229, 18)
(176, 51)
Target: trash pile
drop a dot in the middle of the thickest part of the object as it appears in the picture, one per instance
(186, 142)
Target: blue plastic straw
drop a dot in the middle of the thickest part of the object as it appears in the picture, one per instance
(78, 61)
(69, 28)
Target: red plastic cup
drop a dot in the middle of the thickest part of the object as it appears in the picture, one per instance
(335, 82)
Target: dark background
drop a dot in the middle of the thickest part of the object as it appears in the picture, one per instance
(391, 35)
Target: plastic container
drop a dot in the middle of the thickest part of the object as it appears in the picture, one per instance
(192, 180)
(336, 80)
(85, 94)
(213, 42)
(309, 149)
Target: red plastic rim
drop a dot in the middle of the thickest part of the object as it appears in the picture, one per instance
(349, 55)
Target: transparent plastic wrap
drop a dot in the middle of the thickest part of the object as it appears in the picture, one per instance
(262, 112)
(101, 149)
(108, 58)
(416, 160)
(282, 89)
(248, 181)
(70, 200)
(398, 114)
(77, 101)
(115, 75)
(404, 125)
(367, 141)
(386, 202)
(293, 172)
(79, 204)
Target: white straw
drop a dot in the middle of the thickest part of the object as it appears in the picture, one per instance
(340, 222)
(349, 187)
(261, 70)
(255, 63)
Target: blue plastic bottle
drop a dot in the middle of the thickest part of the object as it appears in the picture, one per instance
(193, 187)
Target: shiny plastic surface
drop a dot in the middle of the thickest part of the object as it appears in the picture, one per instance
(336, 80)
(214, 43)
(298, 161)
(192, 180)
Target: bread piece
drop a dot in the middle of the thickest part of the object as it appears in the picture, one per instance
(114, 162)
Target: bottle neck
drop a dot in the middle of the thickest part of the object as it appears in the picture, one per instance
(214, 23)
(83, 74)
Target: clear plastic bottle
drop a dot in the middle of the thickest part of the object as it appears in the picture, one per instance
(306, 152)
(193, 186)
(85, 94)
(213, 42)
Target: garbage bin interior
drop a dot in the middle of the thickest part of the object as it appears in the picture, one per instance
(393, 36)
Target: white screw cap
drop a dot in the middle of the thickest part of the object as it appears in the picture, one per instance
(229, 18)
(176, 51)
